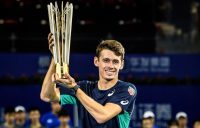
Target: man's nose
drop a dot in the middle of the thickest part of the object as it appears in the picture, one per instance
(110, 64)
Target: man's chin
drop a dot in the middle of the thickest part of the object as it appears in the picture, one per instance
(109, 78)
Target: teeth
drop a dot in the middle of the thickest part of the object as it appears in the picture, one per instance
(109, 71)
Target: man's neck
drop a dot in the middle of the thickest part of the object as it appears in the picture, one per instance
(105, 85)
(64, 126)
(35, 125)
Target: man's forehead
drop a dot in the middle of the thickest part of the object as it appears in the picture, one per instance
(109, 54)
(110, 57)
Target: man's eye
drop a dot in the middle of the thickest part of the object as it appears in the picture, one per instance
(105, 60)
(115, 61)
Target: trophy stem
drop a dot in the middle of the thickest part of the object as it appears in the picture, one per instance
(62, 69)
(58, 70)
(65, 68)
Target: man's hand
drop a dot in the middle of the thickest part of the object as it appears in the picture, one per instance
(50, 42)
(67, 81)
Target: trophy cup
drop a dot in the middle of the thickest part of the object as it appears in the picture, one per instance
(60, 22)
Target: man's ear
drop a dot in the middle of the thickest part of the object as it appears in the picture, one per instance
(122, 65)
(96, 61)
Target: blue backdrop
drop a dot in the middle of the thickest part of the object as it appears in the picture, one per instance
(82, 64)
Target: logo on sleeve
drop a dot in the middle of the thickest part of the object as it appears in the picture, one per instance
(131, 91)
(124, 102)
(111, 93)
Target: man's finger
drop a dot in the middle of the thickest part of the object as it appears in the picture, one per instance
(67, 76)
(51, 40)
(51, 45)
(56, 76)
(49, 36)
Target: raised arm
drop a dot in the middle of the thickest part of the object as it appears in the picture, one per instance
(49, 92)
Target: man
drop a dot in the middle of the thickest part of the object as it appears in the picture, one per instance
(196, 124)
(64, 118)
(50, 119)
(182, 119)
(8, 118)
(172, 124)
(20, 117)
(148, 120)
(106, 103)
(34, 116)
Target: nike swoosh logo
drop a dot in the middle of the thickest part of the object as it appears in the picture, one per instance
(110, 94)
(124, 102)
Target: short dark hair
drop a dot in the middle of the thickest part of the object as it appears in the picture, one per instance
(172, 122)
(196, 121)
(9, 109)
(34, 109)
(112, 45)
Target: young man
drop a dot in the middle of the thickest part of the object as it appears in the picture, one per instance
(172, 124)
(106, 103)
(64, 118)
(196, 124)
(34, 117)
(148, 120)
(20, 117)
(182, 119)
(9, 118)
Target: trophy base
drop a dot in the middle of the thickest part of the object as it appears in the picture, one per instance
(62, 69)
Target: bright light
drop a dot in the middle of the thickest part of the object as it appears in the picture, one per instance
(38, 6)
(1, 21)
(43, 22)
(121, 22)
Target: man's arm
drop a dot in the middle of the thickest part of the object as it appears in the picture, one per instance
(99, 112)
(49, 92)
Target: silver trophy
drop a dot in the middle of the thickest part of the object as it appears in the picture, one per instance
(60, 22)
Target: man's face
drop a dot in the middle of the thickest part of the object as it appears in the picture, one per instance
(109, 65)
(147, 123)
(196, 125)
(34, 115)
(20, 118)
(9, 117)
(182, 122)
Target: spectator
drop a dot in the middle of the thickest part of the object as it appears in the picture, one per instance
(50, 119)
(182, 119)
(34, 116)
(148, 120)
(196, 124)
(64, 118)
(172, 124)
(8, 118)
(20, 117)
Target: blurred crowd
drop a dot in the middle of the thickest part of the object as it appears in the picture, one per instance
(19, 117)
(58, 117)
(180, 121)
